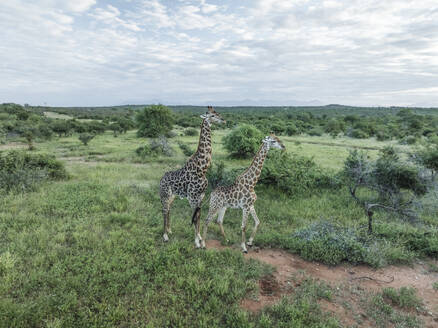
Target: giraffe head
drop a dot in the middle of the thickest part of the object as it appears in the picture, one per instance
(272, 141)
(212, 117)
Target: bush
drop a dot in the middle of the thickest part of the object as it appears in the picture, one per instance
(359, 134)
(295, 174)
(21, 171)
(171, 134)
(217, 175)
(291, 129)
(154, 120)
(191, 132)
(85, 138)
(315, 132)
(329, 243)
(187, 151)
(243, 141)
(156, 147)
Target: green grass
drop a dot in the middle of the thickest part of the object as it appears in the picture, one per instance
(88, 251)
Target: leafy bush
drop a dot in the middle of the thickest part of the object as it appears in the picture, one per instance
(21, 171)
(217, 175)
(187, 151)
(295, 174)
(154, 120)
(191, 132)
(85, 138)
(329, 243)
(243, 141)
(291, 129)
(156, 147)
(171, 134)
(315, 132)
(359, 134)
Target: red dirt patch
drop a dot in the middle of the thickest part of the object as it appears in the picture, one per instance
(345, 277)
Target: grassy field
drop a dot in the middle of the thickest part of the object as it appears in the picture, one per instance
(88, 251)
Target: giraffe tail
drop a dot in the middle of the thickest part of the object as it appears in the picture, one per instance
(195, 214)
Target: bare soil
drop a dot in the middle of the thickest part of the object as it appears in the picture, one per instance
(350, 282)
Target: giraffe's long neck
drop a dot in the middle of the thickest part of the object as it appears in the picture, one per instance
(203, 153)
(252, 173)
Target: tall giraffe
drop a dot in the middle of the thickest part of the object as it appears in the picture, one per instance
(241, 194)
(190, 181)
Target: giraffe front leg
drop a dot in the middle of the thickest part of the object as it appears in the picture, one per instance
(244, 219)
(220, 221)
(256, 224)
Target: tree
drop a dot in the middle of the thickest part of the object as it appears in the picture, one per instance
(116, 128)
(388, 184)
(428, 157)
(154, 120)
(85, 138)
(61, 127)
(243, 141)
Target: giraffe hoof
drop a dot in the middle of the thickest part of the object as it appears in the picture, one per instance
(165, 238)
(249, 244)
(245, 251)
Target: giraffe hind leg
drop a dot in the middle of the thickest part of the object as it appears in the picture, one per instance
(256, 224)
(220, 221)
(211, 215)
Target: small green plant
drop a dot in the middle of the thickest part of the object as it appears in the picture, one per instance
(85, 138)
(435, 285)
(405, 297)
(383, 314)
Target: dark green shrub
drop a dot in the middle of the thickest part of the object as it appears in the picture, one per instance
(291, 129)
(22, 171)
(243, 141)
(85, 138)
(191, 132)
(295, 174)
(315, 132)
(359, 134)
(187, 151)
(154, 120)
(217, 175)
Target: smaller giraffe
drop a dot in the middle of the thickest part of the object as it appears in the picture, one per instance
(241, 194)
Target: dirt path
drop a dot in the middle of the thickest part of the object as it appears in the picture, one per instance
(346, 277)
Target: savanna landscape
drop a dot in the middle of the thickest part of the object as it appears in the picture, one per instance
(348, 234)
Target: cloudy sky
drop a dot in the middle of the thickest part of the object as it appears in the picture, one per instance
(111, 52)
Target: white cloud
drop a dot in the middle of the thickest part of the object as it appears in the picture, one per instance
(95, 52)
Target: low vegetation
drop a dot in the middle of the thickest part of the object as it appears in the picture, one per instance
(81, 228)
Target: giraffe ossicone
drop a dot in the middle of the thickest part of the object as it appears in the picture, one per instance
(241, 194)
(190, 181)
